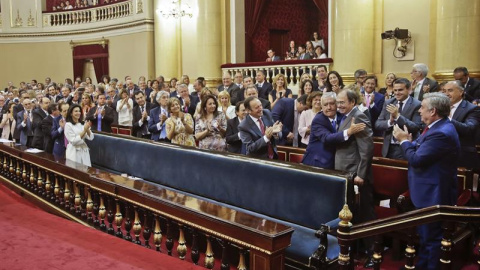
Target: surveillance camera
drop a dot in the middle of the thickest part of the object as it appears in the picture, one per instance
(397, 34)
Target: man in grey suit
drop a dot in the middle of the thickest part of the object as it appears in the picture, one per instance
(401, 110)
(231, 88)
(422, 84)
(356, 153)
(258, 132)
(24, 123)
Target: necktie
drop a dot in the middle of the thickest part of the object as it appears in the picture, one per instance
(142, 109)
(99, 120)
(269, 144)
(367, 96)
(425, 130)
(400, 107)
(451, 110)
(334, 125)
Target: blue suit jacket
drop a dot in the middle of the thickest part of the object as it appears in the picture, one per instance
(26, 131)
(58, 138)
(432, 165)
(322, 143)
(152, 123)
(466, 120)
(284, 111)
(375, 111)
(252, 137)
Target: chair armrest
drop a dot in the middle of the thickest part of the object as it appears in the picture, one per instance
(319, 257)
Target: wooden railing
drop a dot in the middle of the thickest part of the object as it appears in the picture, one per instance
(449, 215)
(291, 69)
(141, 212)
(88, 15)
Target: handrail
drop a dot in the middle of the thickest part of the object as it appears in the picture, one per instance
(411, 219)
(88, 15)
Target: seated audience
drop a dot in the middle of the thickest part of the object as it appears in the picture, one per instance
(271, 56)
(318, 41)
(287, 111)
(230, 87)
(302, 53)
(101, 116)
(320, 53)
(158, 116)
(141, 116)
(305, 121)
(211, 126)
(179, 126)
(280, 90)
(252, 91)
(234, 144)
(421, 83)
(86, 104)
(263, 86)
(292, 51)
(309, 49)
(471, 85)
(225, 105)
(373, 101)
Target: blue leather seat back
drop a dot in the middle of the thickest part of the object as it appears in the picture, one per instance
(282, 191)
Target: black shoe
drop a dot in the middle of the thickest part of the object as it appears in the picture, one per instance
(369, 263)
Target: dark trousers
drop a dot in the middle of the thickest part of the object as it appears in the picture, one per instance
(430, 243)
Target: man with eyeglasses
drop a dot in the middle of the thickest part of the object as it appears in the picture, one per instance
(421, 84)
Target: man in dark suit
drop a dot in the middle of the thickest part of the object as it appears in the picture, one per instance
(16, 109)
(401, 110)
(24, 123)
(101, 115)
(187, 101)
(57, 131)
(321, 77)
(422, 84)
(234, 144)
(251, 91)
(231, 88)
(471, 85)
(272, 57)
(287, 111)
(38, 115)
(373, 101)
(324, 137)
(158, 116)
(258, 131)
(355, 155)
(465, 117)
(264, 87)
(141, 115)
(47, 124)
(302, 55)
(432, 170)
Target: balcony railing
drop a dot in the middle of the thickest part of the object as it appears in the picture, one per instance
(88, 15)
(291, 69)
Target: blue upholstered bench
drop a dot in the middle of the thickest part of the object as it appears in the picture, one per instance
(302, 197)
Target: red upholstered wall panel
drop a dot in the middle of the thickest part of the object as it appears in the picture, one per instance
(299, 17)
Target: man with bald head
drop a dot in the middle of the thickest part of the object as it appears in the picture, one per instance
(231, 88)
(38, 115)
(465, 117)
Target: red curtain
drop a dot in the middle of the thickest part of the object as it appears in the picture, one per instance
(322, 5)
(253, 10)
(97, 52)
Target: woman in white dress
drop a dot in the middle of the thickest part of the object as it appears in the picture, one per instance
(125, 109)
(225, 106)
(76, 132)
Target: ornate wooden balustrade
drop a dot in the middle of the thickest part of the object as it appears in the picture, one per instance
(88, 15)
(144, 213)
(291, 69)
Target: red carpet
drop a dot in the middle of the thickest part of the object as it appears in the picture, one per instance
(33, 239)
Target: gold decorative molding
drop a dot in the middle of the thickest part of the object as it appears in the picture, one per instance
(448, 76)
(30, 19)
(139, 6)
(79, 32)
(102, 42)
(18, 20)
